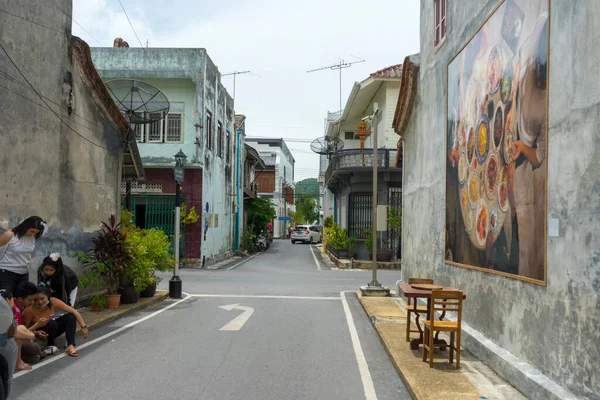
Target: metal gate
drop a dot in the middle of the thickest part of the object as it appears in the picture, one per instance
(395, 199)
(359, 215)
(157, 212)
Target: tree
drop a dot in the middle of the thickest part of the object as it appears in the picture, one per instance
(309, 187)
(260, 211)
(305, 208)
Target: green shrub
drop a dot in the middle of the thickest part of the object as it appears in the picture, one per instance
(150, 252)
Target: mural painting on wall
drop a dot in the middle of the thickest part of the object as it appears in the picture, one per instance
(496, 167)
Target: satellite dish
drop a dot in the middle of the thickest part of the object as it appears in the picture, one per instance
(140, 102)
(326, 145)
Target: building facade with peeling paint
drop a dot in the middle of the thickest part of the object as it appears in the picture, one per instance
(200, 122)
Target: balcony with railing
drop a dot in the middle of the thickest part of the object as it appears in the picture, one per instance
(354, 160)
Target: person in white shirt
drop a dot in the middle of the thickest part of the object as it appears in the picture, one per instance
(16, 250)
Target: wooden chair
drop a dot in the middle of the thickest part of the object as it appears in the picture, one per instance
(414, 308)
(444, 301)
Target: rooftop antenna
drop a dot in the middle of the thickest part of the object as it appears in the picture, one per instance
(236, 73)
(339, 66)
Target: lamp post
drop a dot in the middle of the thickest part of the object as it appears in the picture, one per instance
(178, 175)
(374, 288)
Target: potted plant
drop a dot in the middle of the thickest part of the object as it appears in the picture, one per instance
(108, 259)
(351, 246)
(98, 302)
(369, 243)
(395, 225)
(150, 254)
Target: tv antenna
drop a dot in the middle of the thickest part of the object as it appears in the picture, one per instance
(339, 66)
(236, 73)
(326, 146)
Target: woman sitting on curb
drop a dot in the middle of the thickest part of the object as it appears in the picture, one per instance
(61, 279)
(44, 307)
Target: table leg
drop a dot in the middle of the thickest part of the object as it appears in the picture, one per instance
(414, 344)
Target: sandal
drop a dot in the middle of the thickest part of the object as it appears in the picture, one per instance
(23, 366)
(73, 353)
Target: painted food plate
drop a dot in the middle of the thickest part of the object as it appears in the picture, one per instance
(470, 145)
(503, 196)
(498, 126)
(464, 198)
(473, 189)
(462, 168)
(469, 220)
(482, 142)
(494, 222)
(509, 146)
(491, 176)
(494, 68)
(481, 222)
(506, 83)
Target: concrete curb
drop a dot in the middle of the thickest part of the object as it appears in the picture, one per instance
(105, 317)
(387, 346)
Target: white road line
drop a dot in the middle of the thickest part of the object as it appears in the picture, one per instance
(241, 262)
(363, 367)
(266, 296)
(315, 257)
(91, 342)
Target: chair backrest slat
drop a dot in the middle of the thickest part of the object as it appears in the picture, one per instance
(448, 301)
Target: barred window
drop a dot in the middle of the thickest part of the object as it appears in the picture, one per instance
(174, 128)
(359, 214)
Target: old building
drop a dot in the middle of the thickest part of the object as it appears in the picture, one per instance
(200, 122)
(347, 174)
(500, 186)
(66, 147)
(276, 181)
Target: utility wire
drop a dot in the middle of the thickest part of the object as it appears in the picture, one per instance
(44, 101)
(28, 20)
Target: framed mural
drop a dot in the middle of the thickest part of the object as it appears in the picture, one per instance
(496, 154)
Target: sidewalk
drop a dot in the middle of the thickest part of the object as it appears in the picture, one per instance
(96, 320)
(473, 381)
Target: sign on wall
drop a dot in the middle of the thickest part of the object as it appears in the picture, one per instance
(497, 131)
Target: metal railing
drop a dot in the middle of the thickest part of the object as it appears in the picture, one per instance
(359, 158)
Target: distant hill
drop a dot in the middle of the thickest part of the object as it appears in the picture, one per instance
(309, 186)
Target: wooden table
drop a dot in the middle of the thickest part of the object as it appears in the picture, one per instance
(410, 292)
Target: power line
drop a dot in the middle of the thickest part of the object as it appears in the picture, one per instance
(28, 20)
(44, 101)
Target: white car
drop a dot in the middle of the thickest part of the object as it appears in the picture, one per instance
(306, 234)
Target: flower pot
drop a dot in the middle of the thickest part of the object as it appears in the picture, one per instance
(97, 308)
(351, 254)
(129, 295)
(149, 291)
(384, 255)
(113, 300)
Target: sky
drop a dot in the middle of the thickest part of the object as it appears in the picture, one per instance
(278, 41)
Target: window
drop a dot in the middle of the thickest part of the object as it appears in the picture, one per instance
(219, 139)
(228, 148)
(349, 135)
(440, 22)
(208, 130)
(154, 129)
(359, 214)
(173, 129)
(164, 130)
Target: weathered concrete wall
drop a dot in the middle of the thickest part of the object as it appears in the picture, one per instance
(555, 327)
(68, 175)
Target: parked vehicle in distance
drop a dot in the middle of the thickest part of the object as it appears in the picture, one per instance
(8, 348)
(306, 234)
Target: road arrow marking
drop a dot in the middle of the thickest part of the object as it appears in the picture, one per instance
(238, 322)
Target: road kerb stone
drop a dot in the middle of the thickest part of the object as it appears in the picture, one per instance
(95, 320)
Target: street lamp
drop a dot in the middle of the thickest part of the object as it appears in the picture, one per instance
(178, 175)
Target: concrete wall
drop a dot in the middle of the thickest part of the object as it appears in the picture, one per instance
(554, 328)
(69, 177)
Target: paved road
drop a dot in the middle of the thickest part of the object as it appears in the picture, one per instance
(298, 343)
